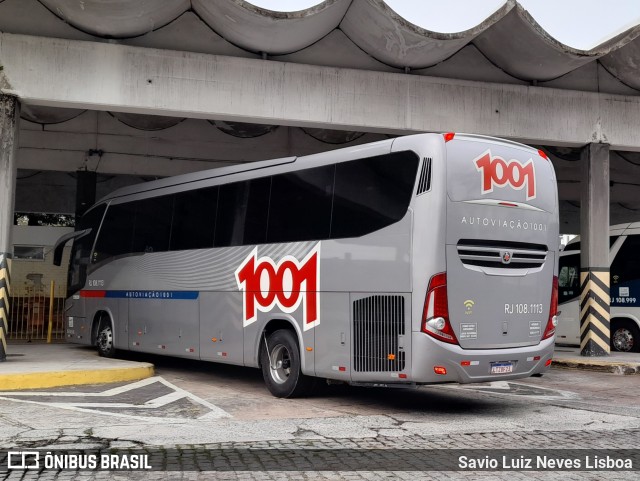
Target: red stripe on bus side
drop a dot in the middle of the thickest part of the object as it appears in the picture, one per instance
(93, 293)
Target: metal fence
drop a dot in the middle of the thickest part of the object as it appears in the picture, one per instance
(29, 314)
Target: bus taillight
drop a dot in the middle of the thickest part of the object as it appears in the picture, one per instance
(550, 330)
(435, 317)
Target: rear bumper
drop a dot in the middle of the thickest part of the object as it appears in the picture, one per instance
(428, 352)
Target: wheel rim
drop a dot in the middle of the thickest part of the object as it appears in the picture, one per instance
(622, 339)
(280, 364)
(105, 339)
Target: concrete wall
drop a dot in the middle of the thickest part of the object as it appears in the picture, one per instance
(21, 268)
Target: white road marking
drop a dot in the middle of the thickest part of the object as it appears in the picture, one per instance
(163, 420)
(214, 409)
(92, 407)
(505, 388)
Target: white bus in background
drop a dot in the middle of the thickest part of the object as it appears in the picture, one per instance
(422, 259)
(624, 258)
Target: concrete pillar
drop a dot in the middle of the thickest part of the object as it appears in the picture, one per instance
(9, 117)
(85, 191)
(594, 257)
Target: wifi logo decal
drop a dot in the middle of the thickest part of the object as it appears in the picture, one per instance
(468, 304)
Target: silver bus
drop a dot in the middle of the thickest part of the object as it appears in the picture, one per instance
(423, 259)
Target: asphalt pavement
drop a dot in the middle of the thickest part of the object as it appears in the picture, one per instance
(216, 421)
(39, 365)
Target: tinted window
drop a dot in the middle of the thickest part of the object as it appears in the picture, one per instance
(81, 249)
(242, 213)
(626, 266)
(372, 193)
(152, 224)
(300, 207)
(568, 277)
(116, 233)
(194, 219)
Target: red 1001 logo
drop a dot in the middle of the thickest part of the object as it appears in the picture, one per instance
(286, 284)
(498, 172)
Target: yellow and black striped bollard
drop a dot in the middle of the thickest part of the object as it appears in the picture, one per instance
(5, 297)
(594, 312)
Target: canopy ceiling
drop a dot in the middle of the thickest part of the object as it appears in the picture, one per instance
(507, 47)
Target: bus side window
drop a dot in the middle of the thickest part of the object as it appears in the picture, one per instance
(194, 219)
(152, 225)
(372, 193)
(242, 213)
(569, 277)
(300, 206)
(625, 268)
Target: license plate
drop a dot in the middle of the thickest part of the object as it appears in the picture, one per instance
(501, 367)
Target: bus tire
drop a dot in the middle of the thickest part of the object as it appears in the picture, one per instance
(104, 339)
(625, 336)
(281, 366)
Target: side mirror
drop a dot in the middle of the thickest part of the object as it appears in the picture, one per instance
(60, 243)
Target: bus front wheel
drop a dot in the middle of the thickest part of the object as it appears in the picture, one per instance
(104, 340)
(281, 366)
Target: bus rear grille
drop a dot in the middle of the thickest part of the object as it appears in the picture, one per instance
(378, 322)
(502, 255)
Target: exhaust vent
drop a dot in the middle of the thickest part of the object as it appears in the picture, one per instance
(378, 323)
(424, 185)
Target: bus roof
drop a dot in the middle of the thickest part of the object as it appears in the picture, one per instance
(628, 228)
(194, 177)
(374, 148)
(494, 140)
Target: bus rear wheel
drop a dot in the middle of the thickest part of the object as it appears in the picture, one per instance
(281, 366)
(625, 336)
(104, 339)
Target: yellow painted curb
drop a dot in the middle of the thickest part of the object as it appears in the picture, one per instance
(45, 379)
